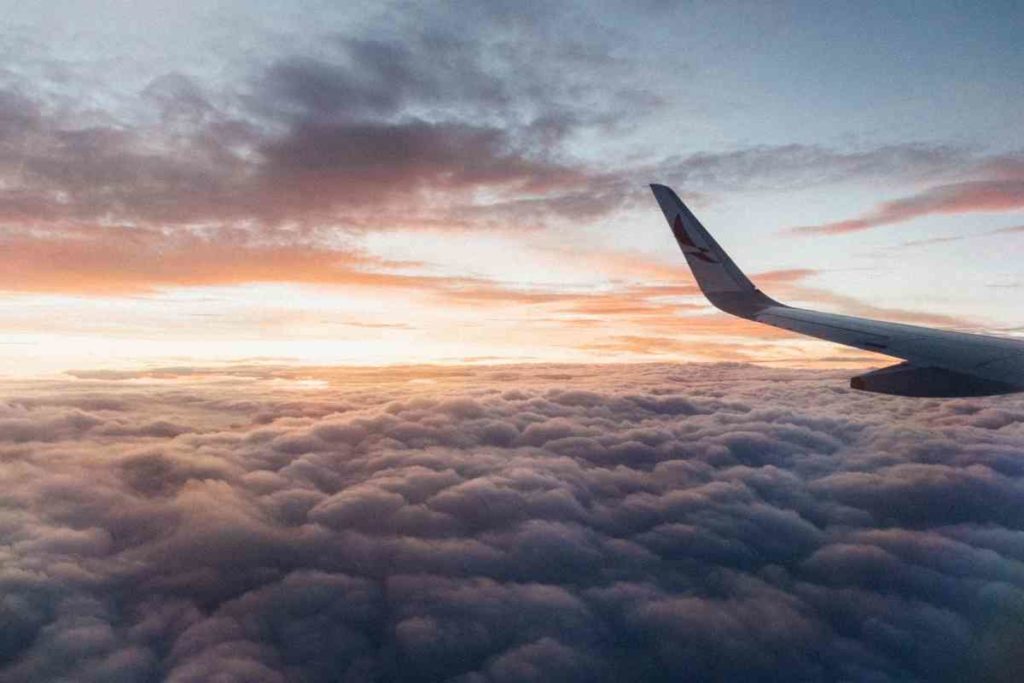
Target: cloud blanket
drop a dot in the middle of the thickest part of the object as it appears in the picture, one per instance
(547, 523)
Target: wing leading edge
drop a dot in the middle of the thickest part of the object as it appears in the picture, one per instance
(938, 362)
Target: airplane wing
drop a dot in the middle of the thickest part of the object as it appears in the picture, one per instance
(937, 362)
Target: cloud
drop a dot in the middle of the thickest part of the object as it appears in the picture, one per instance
(999, 187)
(362, 162)
(780, 167)
(303, 141)
(506, 523)
(274, 180)
(108, 260)
(1012, 230)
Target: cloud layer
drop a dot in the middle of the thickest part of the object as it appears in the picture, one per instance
(498, 524)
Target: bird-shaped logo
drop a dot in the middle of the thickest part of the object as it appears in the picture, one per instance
(687, 245)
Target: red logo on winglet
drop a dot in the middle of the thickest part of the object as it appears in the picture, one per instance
(687, 245)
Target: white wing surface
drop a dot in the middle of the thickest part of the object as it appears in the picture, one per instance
(938, 362)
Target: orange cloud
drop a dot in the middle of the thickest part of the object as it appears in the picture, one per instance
(101, 260)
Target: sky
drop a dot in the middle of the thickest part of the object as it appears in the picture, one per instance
(394, 183)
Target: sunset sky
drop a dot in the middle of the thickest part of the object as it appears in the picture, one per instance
(344, 341)
(360, 183)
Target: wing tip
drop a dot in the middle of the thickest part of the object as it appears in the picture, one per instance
(660, 190)
(670, 203)
(722, 282)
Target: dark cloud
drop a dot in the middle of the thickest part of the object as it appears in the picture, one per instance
(519, 523)
(305, 140)
(379, 78)
(361, 163)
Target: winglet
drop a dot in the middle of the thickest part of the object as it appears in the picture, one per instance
(722, 282)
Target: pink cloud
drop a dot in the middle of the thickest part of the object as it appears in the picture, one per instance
(994, 195)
